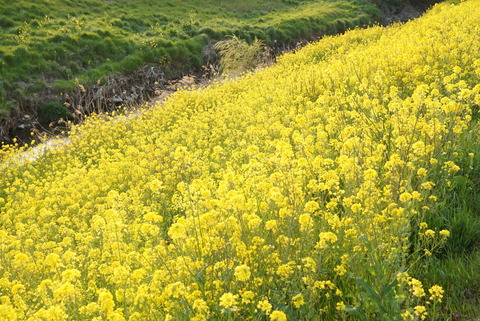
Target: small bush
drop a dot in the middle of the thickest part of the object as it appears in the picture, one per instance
(53, 111)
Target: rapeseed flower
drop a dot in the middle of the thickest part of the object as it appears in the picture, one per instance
(242, 273)
(255, 197)
(278, 316)
(228, 301)
(436, 293)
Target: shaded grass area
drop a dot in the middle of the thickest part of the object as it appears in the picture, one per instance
(50, 46)
(457, 264)
(458, 272)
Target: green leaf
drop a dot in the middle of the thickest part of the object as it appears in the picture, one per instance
(355, 311)
(371, 293)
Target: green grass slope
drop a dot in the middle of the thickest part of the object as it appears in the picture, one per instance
(50, 46)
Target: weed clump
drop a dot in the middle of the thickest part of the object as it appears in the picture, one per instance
(238, 56)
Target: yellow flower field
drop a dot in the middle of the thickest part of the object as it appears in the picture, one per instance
(287, 194)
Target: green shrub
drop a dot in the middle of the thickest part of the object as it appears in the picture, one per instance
(53, 111)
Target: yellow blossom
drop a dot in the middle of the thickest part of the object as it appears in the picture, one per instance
(242, 272)
(420, 311)
(264, 306)
(298, 300)
(436, 293)
(228, 300)
(254, 196)
(444, 233)
(326, 238)
(278, 316)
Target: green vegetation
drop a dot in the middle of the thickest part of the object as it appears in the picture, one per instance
(54, 110)
(457, 264)
(50, 46)
(392, 5)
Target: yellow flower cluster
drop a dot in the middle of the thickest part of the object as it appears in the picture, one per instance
(256, 198)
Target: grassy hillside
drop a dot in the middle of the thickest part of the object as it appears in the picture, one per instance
(339, 184)
(51, 46)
